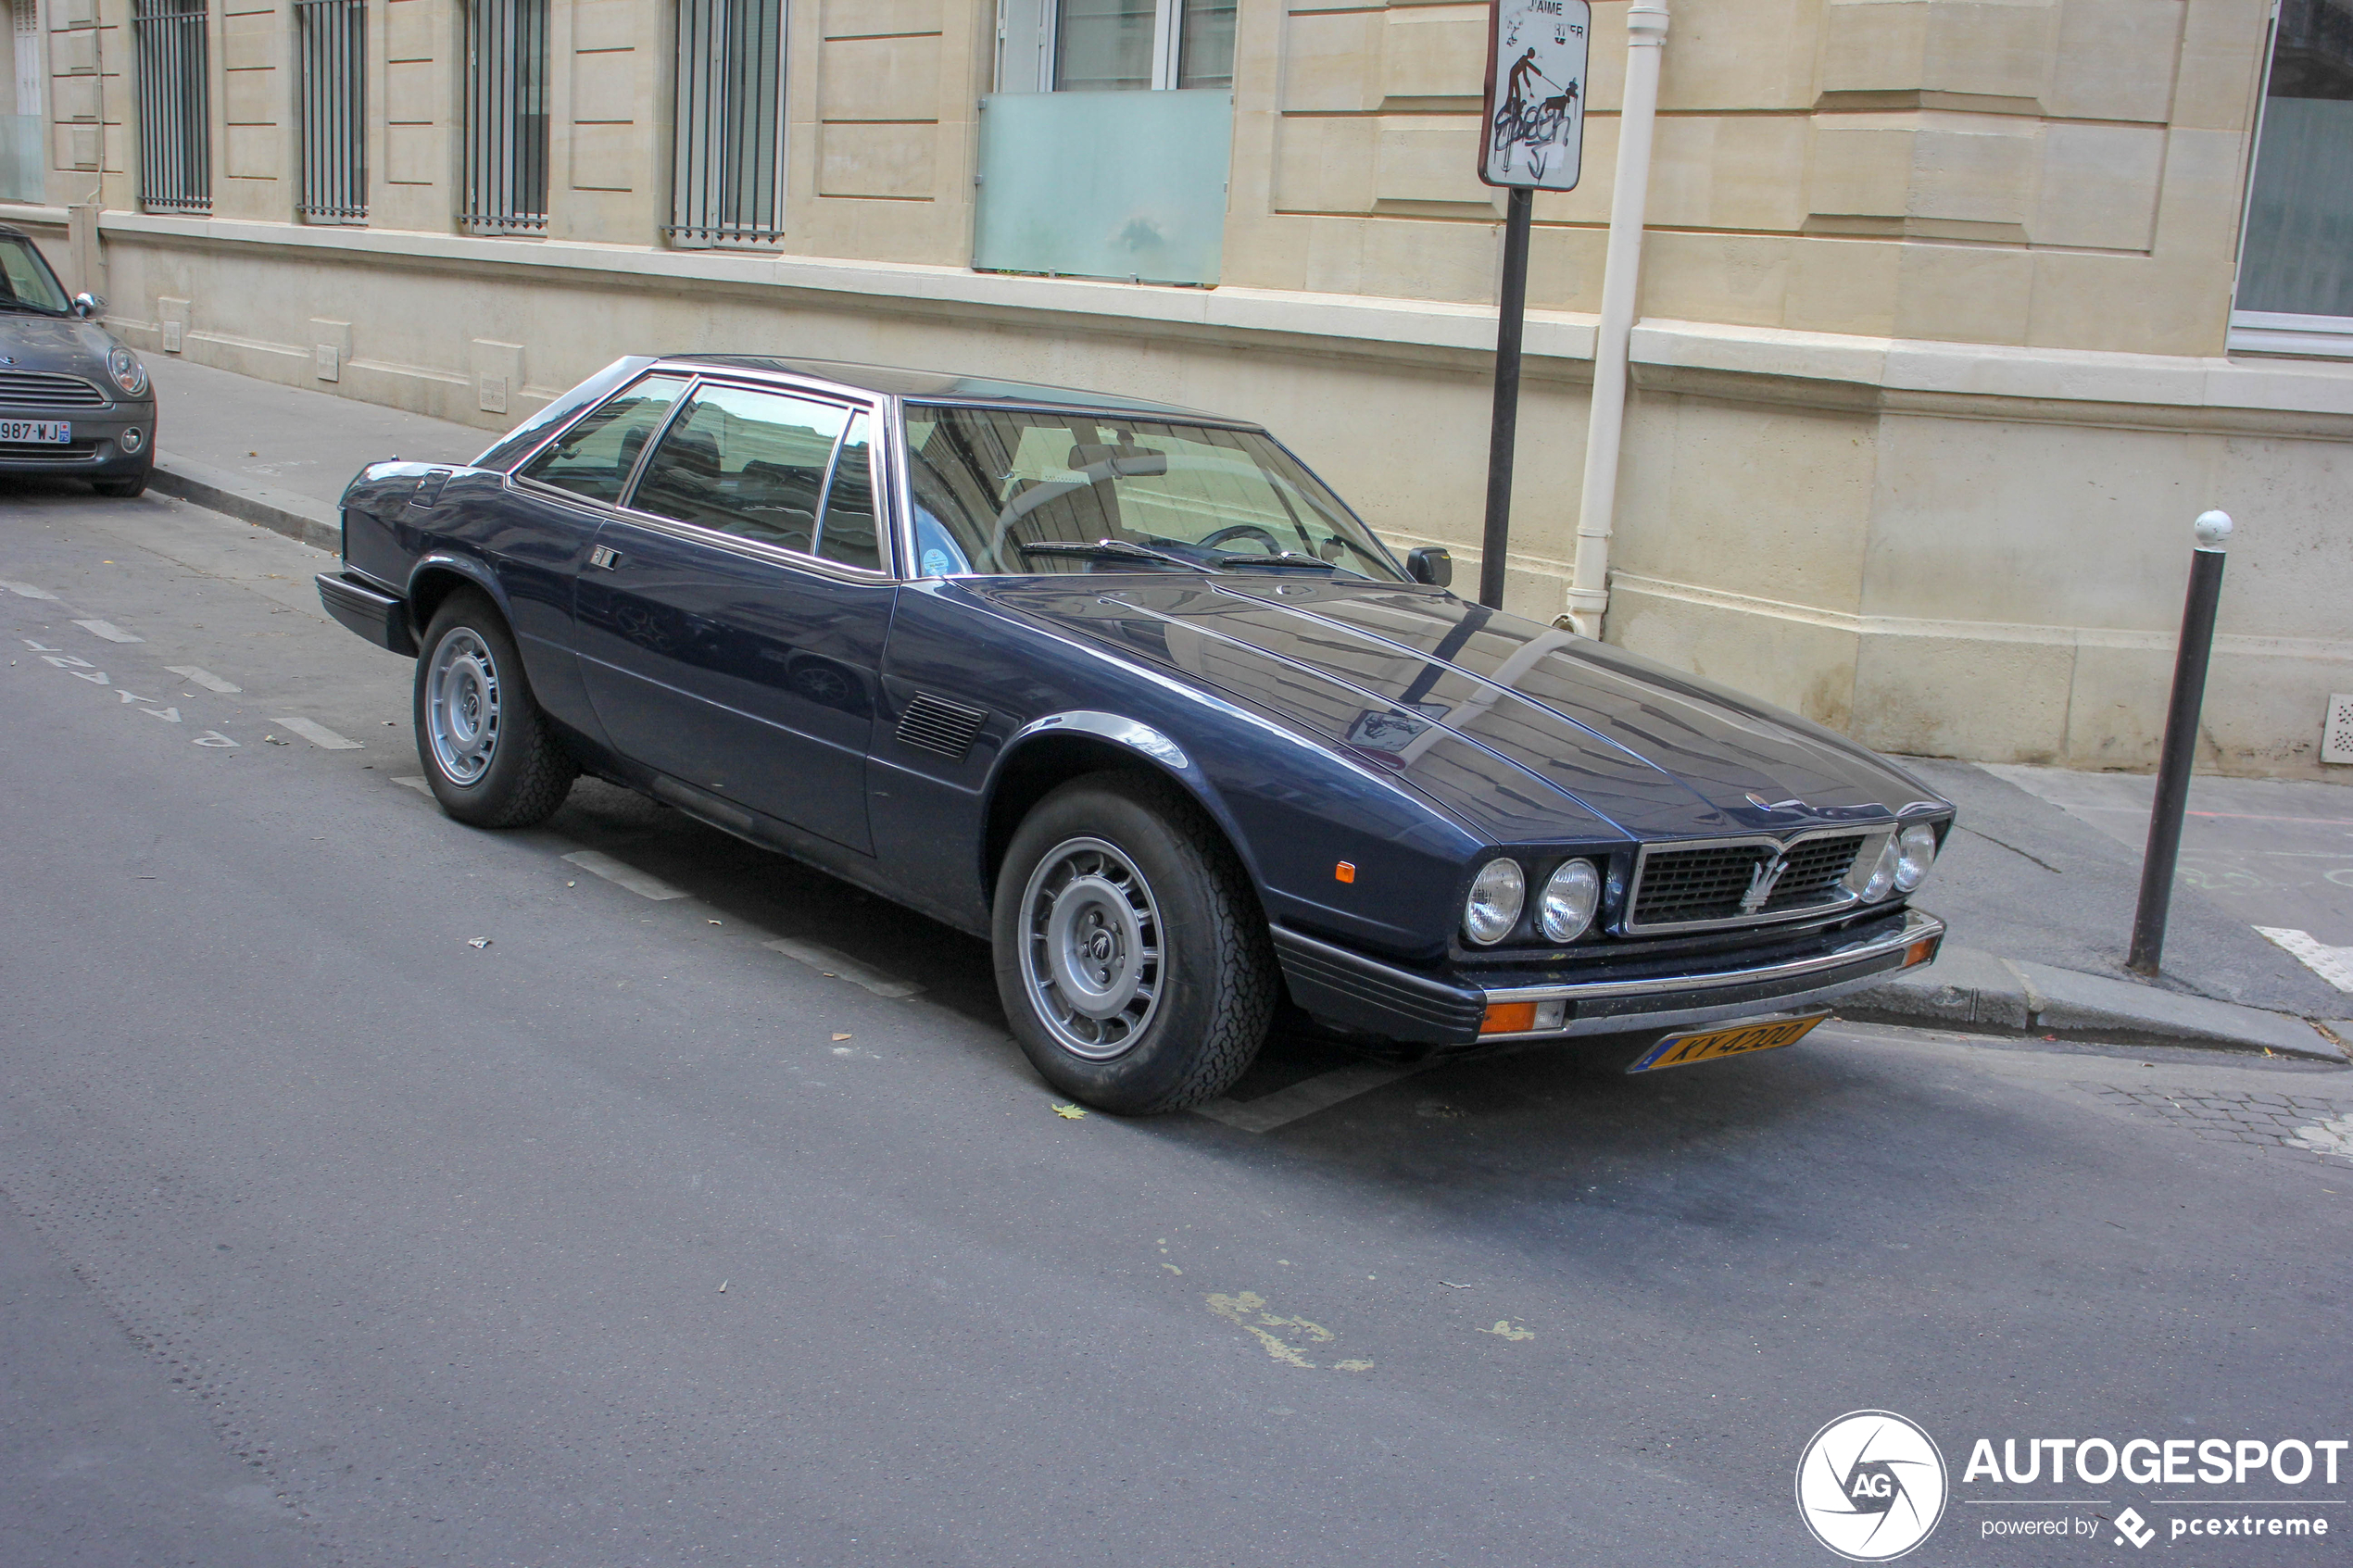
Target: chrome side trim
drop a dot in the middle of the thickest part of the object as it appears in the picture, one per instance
(1874, 836)
(1112, 727)
(1917, 927)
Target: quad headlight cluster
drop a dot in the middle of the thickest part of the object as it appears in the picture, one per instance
(1572, 896)
(1902, 864)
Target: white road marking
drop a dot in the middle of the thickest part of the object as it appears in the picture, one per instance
(169, 715)
(212, 737)
(319, 735)
(1305, 1098)
(41, 648)
(842, 966)
(65, 662)
(2332, 964)
(26, 590)
(95, 677)
(127, 696)
(416, 782)
(204, 677)
(109, 631)
(597, 863)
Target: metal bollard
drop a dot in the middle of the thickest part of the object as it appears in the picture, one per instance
(2181, 744)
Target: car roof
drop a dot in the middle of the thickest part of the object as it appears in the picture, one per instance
(946, 388)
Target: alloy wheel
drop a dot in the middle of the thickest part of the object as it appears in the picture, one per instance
(1092, 955)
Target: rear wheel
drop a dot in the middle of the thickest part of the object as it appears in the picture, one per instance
(1132, 955)
(489, 755)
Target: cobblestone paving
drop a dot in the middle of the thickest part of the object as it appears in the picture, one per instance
(2307, 1124)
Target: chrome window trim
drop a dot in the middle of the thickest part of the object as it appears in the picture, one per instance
(1878, 832)
(1917, 927)
(694, 532)
(516, 479)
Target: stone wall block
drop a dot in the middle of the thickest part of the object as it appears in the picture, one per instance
(1964, 294)
(2116, 59)
(598, 25)
(1737, 55)
(1422, 158)
(1325, 163)
(1908, 698)
(611, 84)
(1976, 168)
(875, 160)
(868, 19)
(1844, 286)
(879, 79)
(2222, 61)
(2099, 186)
(1999, 50)
(415, 29)
(249, 41)
(1739, 279)
(1332, 62)
(1873, 46)
(1434, 52)
(1861, 166)
(74, 54)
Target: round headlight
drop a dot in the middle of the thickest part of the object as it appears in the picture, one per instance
(1570, 901)
(128, 374)
(1914, 852)
(1494, 906)
(1874, 886)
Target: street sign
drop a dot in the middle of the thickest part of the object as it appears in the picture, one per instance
(1535, 93)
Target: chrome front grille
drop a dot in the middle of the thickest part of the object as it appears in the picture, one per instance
(1735, 882)
(43, 389)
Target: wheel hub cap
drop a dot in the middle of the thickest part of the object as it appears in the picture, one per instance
(461, 706)
(1093, 958)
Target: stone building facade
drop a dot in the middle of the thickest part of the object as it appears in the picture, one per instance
(1951, 313)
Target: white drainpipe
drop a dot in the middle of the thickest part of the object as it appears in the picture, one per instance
(1589, 591)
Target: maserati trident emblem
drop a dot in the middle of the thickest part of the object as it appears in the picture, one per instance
(1760, 882)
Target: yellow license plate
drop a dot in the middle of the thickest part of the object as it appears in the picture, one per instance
(1682, 1050)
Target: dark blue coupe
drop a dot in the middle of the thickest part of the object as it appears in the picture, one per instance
(1124, 688)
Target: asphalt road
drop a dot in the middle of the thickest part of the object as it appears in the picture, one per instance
(332, 1237)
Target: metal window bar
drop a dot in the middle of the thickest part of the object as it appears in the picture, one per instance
(726, 183)
(332, 97)
(175, 134)
(506, 190)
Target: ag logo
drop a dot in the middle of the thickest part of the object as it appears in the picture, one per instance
(1871, 1485)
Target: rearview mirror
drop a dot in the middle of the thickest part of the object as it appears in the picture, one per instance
(87, 305)
(1432, 564)
(1122, 462)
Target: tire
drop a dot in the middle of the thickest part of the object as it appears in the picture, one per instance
(122, 489)
(1177, 930)
(489, 753)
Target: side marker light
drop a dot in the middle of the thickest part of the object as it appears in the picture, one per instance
(1508, 1018)
(1344, 872)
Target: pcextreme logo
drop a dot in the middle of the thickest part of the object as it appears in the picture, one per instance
(1872, 1485)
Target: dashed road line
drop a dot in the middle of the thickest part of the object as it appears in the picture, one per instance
(26, 590)
(842, 966)
(319, 735)
(109, 631)
(1301, 1099)
(204, 678)
(596, 863)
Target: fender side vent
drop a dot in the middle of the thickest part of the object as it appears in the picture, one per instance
(935, 724)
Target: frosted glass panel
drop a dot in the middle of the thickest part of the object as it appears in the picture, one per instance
(1111, 184)
(2298, 259)
(20, 160)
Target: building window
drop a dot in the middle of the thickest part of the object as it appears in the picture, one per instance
(330, 58)
(2296, 263)
(1109, 46)
(175, 111)
(23, 129)
(506, 190)
(728, 179)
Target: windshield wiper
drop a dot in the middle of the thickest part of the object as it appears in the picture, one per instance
(1287, 559)
(1108, 550)
(28, 307)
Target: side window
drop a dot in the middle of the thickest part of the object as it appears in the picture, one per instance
(595, 457)
(747, 463)
(848, 534)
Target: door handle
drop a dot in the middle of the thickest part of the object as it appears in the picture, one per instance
(604, 556)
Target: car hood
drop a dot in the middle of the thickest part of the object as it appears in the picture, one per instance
(69, 345)
(1529, 731)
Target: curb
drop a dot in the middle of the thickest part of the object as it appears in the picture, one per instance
(1976, 992)
(281, 511)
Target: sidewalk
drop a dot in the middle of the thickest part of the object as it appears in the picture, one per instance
(2037, 883)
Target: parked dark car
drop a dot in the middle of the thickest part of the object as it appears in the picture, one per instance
(1126, 690)
(74, 400)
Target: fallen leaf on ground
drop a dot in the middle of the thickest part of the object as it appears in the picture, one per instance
(1069, 1112)
(841, 1036)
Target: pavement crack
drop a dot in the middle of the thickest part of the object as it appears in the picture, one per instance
(2013, 848)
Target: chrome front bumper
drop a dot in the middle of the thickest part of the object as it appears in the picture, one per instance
(1681, 1000)
(1347, 990)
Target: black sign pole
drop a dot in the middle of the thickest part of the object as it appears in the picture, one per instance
(2180, 750)
(1504, 433)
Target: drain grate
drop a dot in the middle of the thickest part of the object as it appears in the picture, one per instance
(2336, 734)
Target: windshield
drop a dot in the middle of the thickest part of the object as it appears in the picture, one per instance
(26, 282)
(1001, 492)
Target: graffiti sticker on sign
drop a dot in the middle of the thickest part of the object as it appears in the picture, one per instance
(1536, 94)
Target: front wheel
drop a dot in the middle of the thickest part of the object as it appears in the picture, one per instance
(1132, 956)
(122, 489)
(490, 756)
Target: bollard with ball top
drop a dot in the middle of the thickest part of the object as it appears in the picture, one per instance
(2213, 530)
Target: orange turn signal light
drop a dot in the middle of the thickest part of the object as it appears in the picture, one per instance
(1920, 952)
(1344, 872)
(1508, 1018)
